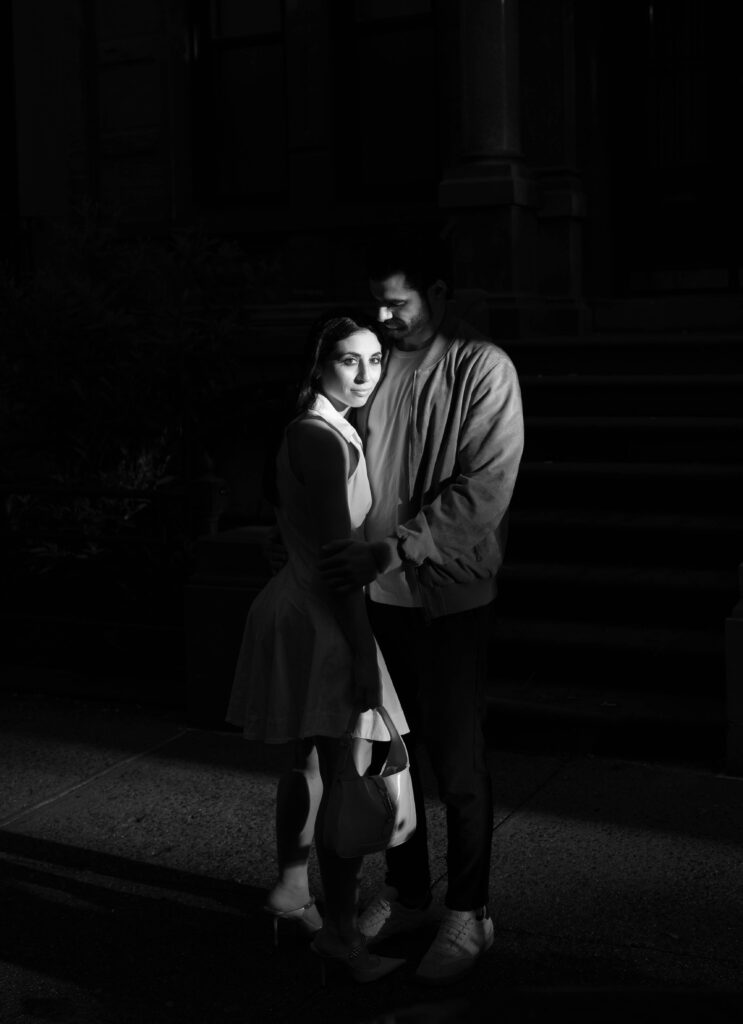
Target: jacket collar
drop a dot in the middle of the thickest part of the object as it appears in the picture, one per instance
(325, 409)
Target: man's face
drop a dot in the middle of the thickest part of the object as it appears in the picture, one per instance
(407, 315)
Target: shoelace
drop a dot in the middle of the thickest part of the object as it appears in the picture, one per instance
(380, 909)
(452, 931)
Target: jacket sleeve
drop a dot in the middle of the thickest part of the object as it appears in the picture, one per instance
(472, 503)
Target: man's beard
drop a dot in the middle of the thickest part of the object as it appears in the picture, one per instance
(415, 326)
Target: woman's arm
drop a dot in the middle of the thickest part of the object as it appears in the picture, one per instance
(320, 458)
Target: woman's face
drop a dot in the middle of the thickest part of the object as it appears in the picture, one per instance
(351, 371)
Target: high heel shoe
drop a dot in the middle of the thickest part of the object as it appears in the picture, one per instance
(355, 958)
(307, 918)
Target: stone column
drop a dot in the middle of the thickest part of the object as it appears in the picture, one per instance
(550, 115)
(10, 222)
(308, 256)
(49, 118)
(488, 192)
(734, 674)
(513, 190)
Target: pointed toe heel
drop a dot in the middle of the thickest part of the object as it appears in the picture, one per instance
(355, 960)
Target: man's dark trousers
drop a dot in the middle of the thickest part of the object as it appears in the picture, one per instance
(438, 670)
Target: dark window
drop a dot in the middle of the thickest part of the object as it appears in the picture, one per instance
(240, 101)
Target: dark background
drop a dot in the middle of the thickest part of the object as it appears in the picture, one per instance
(191, 181)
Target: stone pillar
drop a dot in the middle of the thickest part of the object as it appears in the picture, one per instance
(490, 82)
(488, 192)
(10, 223)
(513, 190)
(734, 679)
(550, 113)
(308, 255)
(49, 115)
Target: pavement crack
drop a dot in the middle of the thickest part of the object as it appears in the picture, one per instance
(25, 812)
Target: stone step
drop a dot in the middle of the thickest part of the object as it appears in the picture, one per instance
(636, 594)
(654, 658)
(639, 486)
(624, 543)
(606, 720)
(601, 700)
(634, 353)
(616, 537)
(679, 313)
(712, 440)
(621, 394)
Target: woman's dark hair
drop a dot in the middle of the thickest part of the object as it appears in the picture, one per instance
(326, 332)
(324, 335)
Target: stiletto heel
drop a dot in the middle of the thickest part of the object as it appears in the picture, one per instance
(307, 918)
(354, 958)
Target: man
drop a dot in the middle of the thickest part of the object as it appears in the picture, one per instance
(443, 436)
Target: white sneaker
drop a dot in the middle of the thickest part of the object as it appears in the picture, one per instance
(385, 916)
(463, 936)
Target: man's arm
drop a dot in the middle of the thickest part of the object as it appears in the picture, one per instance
(472, 505)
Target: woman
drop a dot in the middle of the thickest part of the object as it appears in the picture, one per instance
(308, 657)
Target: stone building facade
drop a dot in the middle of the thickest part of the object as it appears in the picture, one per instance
(575, 154)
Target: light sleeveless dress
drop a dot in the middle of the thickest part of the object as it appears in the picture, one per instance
(294, 672)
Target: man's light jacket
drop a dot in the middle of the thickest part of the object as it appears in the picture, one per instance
(465, 440)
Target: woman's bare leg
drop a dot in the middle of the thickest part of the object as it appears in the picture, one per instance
(297, 801)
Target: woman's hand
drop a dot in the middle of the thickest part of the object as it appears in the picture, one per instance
(367, 686)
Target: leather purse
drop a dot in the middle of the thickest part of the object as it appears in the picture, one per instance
(369, 813)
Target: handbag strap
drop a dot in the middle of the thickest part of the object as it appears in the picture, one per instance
(397, 755)
(345, 767)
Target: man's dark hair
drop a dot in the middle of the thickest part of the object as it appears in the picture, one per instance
(422, 258)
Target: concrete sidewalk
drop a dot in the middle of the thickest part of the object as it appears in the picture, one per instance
(135, 853)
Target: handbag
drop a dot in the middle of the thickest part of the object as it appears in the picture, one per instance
(368, 813)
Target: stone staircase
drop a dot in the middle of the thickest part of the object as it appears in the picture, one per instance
(625, 539)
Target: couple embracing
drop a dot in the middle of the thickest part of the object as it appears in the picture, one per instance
(393, 482)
